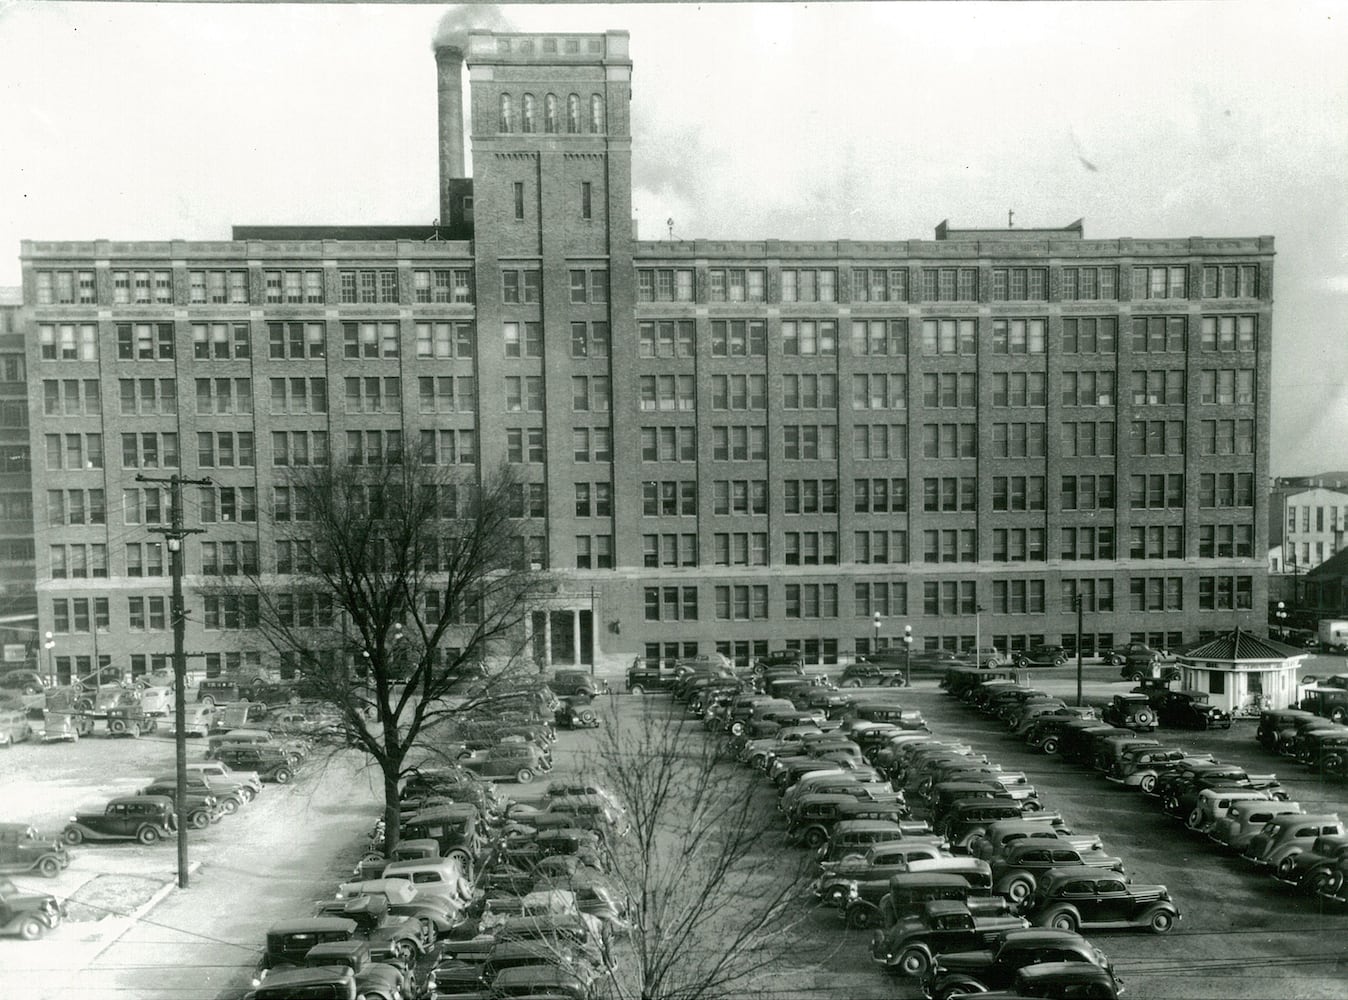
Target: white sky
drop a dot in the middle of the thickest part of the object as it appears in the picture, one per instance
(865, 121)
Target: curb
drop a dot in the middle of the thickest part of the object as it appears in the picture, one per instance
(140, 912)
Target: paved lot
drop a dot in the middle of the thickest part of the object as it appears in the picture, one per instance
(1242, 936)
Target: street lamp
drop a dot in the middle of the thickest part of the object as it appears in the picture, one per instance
(1077, 606)
(907, 655)
(49, 645)
(875, 646)
(978, 634)
(1281, 615)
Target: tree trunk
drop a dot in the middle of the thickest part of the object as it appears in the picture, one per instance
(392, 818)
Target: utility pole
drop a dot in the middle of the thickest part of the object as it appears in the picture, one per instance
(1077, 607)
(173, 536)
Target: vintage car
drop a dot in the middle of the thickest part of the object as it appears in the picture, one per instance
(328, 982)
(1040, 712)
(197, 720)
(236, 715)
(23, 850)
(22, 681)
(995, 968)
(543, 980)
(1313, 869)
(521, 761)
(1047, 732)
(441, 877)
(1212, 804)
(405, 937)
(565, 683)
(646, 675)
(374, 980)
(130, 720)
(1040, 656)
(876, 864)
(1139, 652)
(1284, 836)
(1001, 835)
(1072, 898)
(28, 915)
(1062, 979)
(910, 945)
(219, 774)
(1141, 766)
(1110, 749)
(290, 940)
(268, 763)
(216, 691)
(1243, 820)
(577, 712)
(455, 829)
(232, 795)
(1016, 872)
(406, 900)
(909, 891)
(968, 821)
(67, 726)
(199, 811)
(1178, 790)
(1190, 710)
(145, 818)
(1274, 724)
(295, 749)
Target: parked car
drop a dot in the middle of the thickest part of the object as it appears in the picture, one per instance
(1063, 979)
(145, 818)
(219, 692)
(237, 715)
(577, 682)
(232, 796)
(1243, 820)
(577, 712)
(1040, 656)
(23, 681)
(24, 850)
(296, 750)
(1275, 723)
(295, 983)
(1130, 711)
(995, 968)
(909, 891)
(1138, 651)
(28, 915)
(289, 941)
(1190, 710)
(1017, 871)
(911, 944)
(65, 726)
(1142, 766)
(1313, 869)
(878, 863)
(374, 980)
(645, 675)
(521, 761)
(1005, 833)
(220, 774)
(1284, 836)
(1212, 804)
(268, 763)
(1072, 898)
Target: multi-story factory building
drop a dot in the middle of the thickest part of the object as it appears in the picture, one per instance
(726, 445)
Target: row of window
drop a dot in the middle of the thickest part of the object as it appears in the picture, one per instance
(547, 115)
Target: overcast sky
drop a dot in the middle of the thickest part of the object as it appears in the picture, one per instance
(865, 121)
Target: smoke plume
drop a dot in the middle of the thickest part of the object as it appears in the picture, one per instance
(458, 21)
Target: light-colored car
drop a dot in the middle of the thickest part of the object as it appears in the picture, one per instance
(1213, 803)
(442, 877)
(217, 772)
(1243, 820)
(1285, 836)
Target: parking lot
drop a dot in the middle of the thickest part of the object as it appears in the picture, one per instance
(1242, 934)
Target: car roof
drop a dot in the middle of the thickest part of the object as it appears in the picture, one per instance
(1063, 970)
(1071, 873)
(910, 880)
(942, 907)
(163, 801)
(1040, 936)
(316, 925)
(296, 978)
(1296, 818)
(863, 826)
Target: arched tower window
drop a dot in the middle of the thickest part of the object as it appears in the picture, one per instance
(527, 121)
(596, 113)
(507, 115)
(573, 113)
(550, 113)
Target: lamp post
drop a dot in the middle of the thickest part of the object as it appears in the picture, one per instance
(978, 634)
(875, 646)
(1077, 606)
(49, 645)
(907, 655)
(1281, 615)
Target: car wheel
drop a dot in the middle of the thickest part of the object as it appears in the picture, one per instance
(524, 776)
(31, 929)
(1137, 676)
(1018, 890)
(229, 806)
(1032, 805)
(636, 689)
(406, 950)
(851, 682)
(1161, 922)
(1050, 746)
(1148, 783)
(815, 838)
(49, 868)
(1143, 718)
(464, 861)
(1320, 880)
(117, 727)
(860, 917)
(737, 728)
(914, 962)
(74, 835)
(282, 775)
(1022, 663)
(199, 820)
(835, 896)
(208, 701)
(1337, 715)
(147, 835)
(1064, 920)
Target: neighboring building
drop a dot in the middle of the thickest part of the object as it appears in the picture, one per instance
(18, 598)
(1243, 673)
(1305, 527)
(1324, 590)
(729, 445)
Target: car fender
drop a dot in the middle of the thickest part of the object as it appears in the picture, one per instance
(1286, 851)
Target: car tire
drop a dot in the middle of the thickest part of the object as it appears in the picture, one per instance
(73, 835)
(1148, 783)
(1022, 663)
(282, 775)
(914, 962)
(636, 689)
(588, 718)
(1137, 676)
(1064, 920)
(229, 806)
(147, 835)
(151, 725)
(1050, 746)
(860, 918)
(117, 727)
(524, 776)
(815, 838)
(1161, 922)
(49, 868)
(1143, 718)
(31, 929)
(1032, 805)
(851, 682)
(1018, 890)
(199, 820)
(1318, 881)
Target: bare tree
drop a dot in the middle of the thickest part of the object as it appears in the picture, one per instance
(405, 603)
(712, 896)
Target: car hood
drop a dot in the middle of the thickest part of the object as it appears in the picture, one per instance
(965, 961)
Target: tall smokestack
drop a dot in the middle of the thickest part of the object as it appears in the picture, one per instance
(449, 87)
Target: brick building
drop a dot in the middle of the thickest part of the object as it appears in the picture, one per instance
(18, 599)
(727, 445)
